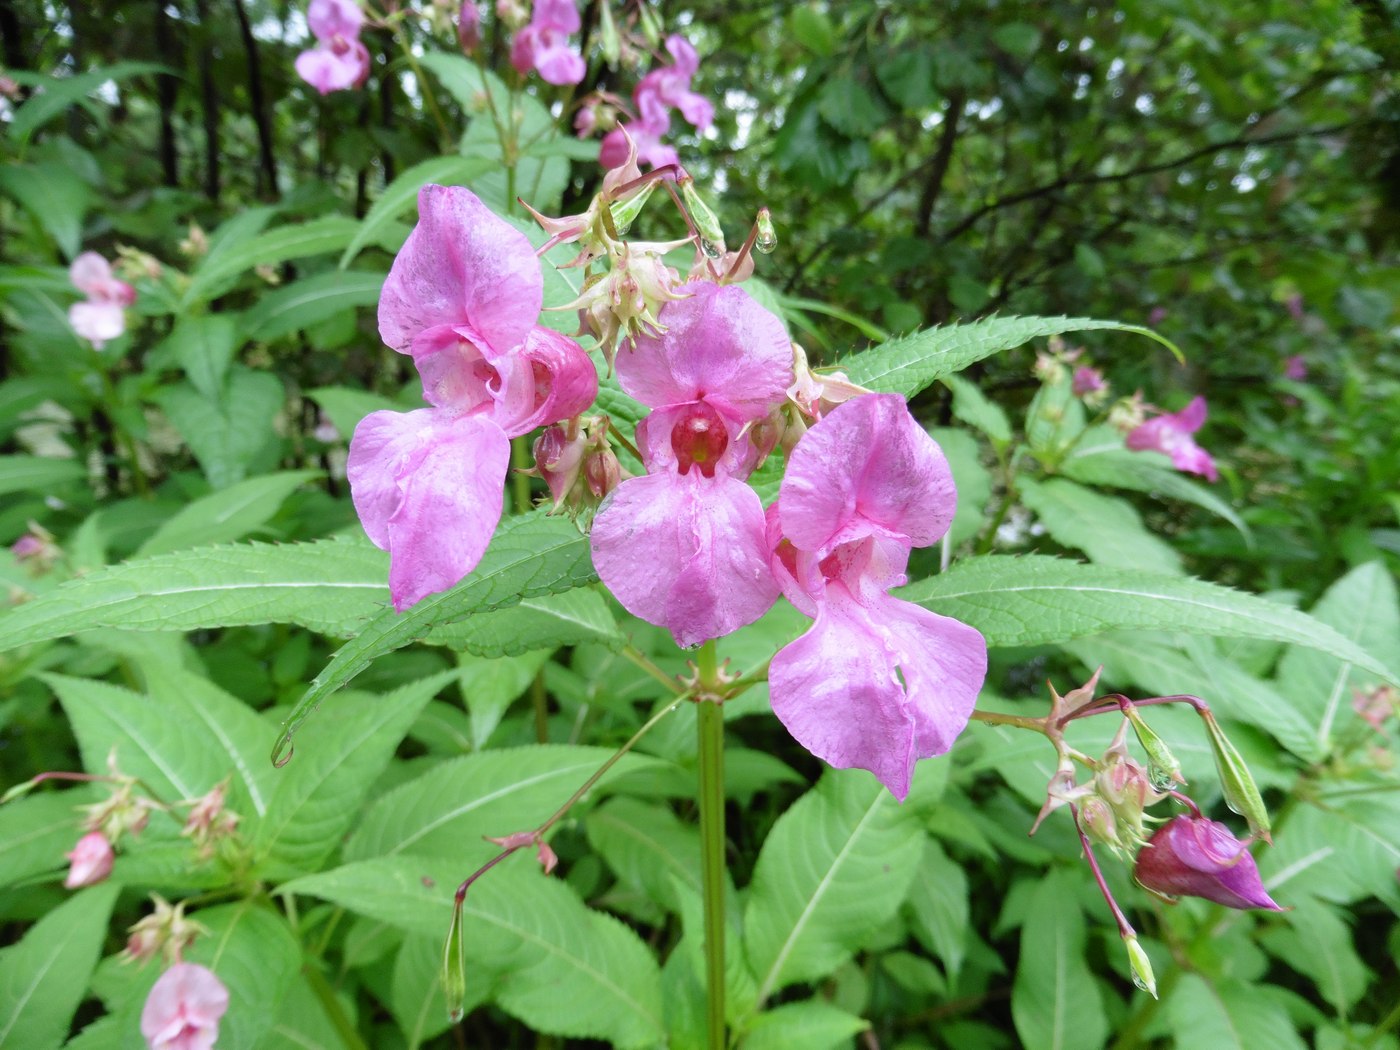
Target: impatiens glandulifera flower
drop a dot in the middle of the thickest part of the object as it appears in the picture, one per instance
(339, 60)
(90, 861)
(100, 318)
(543, 45)
(684, 547)
(1295, 368)
(876, 683)
(461, 298)
(659, 92)
(183, 1010)
(1171, 432)
(1191, 856)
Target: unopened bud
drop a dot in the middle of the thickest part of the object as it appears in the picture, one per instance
(469, 27)
(1096, 818)
(1141, 966)
(558, 458)
(607, 34)
(767, 238)
(1163, 768)
(454, 966)
(90, 861)
(706, 222)
(649, 25)
(602, 472)
(1236, 781)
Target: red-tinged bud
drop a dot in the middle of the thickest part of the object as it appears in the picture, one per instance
(165, 931)
(1196, 857)
(1097, 820)
(91, 861)
(209, 821)
(699, 439)
(602, 472)
(558, 459)
(469, 27)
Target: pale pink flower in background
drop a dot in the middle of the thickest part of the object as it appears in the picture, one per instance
(183, 1010)
(339, 60)
(1157, 316)
(1294, 303)
(469, 27)
(102, 316)
(659, 92)
(1170, 433)
(543, 45)
(91, 861)
(1295, 368)
(877, 683)
(684, 547)
(1195, 857)
(461, 298)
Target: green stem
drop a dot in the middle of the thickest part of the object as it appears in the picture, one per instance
(636, 656)
(424, 88)
(710, 727)
(520, 457)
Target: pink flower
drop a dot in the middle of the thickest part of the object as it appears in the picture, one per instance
(876, 683)
(659, 92)
(91, 861)
(1170, 433)
(543, 45)
(338, 61)
(1295, 368)
(1195, 857)
(101, 317)
(183, 1010)
(1087, 381)
(684, 547)
(462, 299)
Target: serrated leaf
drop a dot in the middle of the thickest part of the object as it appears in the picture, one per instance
(1228, 1015)
(489, 686)
(204, 347)
(45, 976)
(973, 408)
(399, 196)
(37, 831)
(811, 1025)
(332, 586)
(57, 94)
(1340, 847)
(330, 233)
(529, 555)
(308, 302)
(254, 953)
(37, 473)
(555, 964)
(447, 811)
(226, 431)
(575, 617)
(227, 515)
(1034, 600)
(54, 195)
(1105, 528)
(647, 846)
(835, 866)
(1054, 1001)
(416, 997)
(318, 794)
(938, 908)
(910, 363)
(1362, 607)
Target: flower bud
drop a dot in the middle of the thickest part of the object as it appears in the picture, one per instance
(1196, 857)
(706, 221)
(91, 861)
(1096, 818)
(558, 460)
(1163, 767)
(209, 821)
(165, 931)
(1128, 414)
(1141, 965)
(601, 471)
(608, 35)
(1236, 781)
(454, 966)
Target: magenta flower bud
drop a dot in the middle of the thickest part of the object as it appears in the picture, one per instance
(469, 27)
(183, 1010)
(1196, 857)
(1087, 381)
(602, 472)
(1295, 368)
(91, 861)
(558, 459)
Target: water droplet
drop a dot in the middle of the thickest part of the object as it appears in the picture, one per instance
(766, 244)
(622, 228)
(711, 248)
(1139, 982)
(1161, 777)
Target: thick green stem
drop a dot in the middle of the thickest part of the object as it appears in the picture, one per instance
(710, 725)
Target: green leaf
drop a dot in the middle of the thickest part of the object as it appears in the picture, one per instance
(1034, 600)
(938, 908)
(555, 964)
(908, 364)
(1054, 1002)
(45, 976)
(54, 195)
(1318, 944)
(836, 865)
(489, 686)
(226, 431)
(330, 233)
(1228, 1015)
(1105, 528)
(227, 515)
(332, 586)
(530, 555)
(37, 473)
(1363, 608)
(37, 831)
(447, 811)
(308, 302)
(972, 407)
(255, 954)
(204, 347)
(416, 997)
(318, 794)
(1340, 846)
(56, 95)
(573, 617)
(1100, 459)
(648, 847)
(347, 407)
(811, 28)
(811, 1025)
(401, 194)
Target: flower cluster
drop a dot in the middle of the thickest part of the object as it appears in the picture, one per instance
(655, 96)
(543, 46)
(101, 317)
(339, 60)
(461, 299)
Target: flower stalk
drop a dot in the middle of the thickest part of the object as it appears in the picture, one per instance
(710, 733)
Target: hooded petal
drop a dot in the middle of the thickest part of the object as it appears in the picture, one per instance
(90, 273)
(719, 345)
(685, 552)
(867, 469)
(1171, 434)
(558, 63)
(1196, 857)
(427, 486)
(328, 19)
(550, 379)
(338, 67)
(461, 266)
(837, 691)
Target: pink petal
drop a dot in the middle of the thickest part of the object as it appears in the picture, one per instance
(90, 273)
(685, 552)
(867, 468)
(328, 19)
(97, 322)
(561, 15)
(559, 64)
(90, 861)
(682, 51)
(1193, 416)
(719, 345)
(461, 266)
(183, 1009)
(329, 69)
(697, 110)
(551, 379)
(427, 486)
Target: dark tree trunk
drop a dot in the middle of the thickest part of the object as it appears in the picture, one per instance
(267, 172)
(209, 102)
(165, 96)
